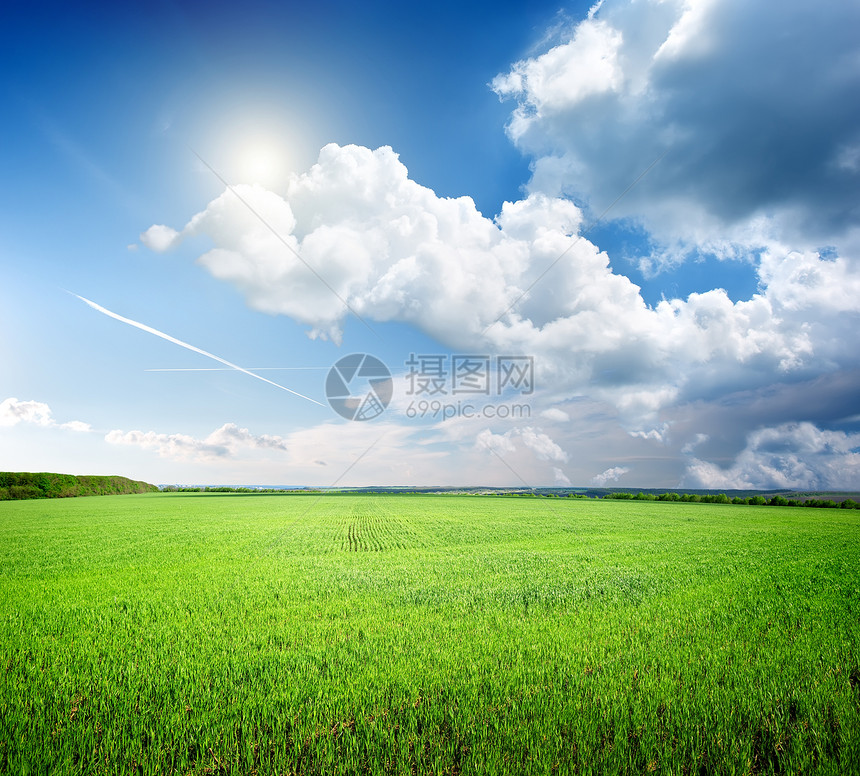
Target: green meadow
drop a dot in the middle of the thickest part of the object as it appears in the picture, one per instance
(349, 634)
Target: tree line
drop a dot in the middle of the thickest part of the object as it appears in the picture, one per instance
(229, 489)
(15, 486)
(722, 498)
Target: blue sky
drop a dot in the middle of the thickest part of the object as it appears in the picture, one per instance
(654, 202)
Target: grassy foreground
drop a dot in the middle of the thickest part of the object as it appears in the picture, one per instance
(199, 634)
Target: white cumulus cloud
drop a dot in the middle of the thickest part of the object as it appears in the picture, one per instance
(733, 93)
(791, 455)
(587, 65)
(536, 441)
(158, 238)
(393, 250)
(227, 441)
(14, 411)
(610, 475)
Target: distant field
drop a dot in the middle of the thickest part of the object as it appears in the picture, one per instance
(185, 633)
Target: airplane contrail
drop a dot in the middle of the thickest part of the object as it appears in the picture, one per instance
(251, 368)
(194, 349)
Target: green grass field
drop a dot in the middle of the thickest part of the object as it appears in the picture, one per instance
(349, 634)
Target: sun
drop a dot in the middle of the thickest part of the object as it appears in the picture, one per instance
(261, 160)
(252, 137)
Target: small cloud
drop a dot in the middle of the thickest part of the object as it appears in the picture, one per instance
(159, 238)
(610, 475)
(848, 158)
(700, 439)
(539, 443)
(560, 477)
(132, 247)
(654, 434)
(496, 443)
(77, 425)
(592, 12)
(233, 438)
(555, 414)
(542, 445)
(13, 412)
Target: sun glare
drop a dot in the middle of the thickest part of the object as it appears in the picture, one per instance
(251, 138)
(260, 160)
